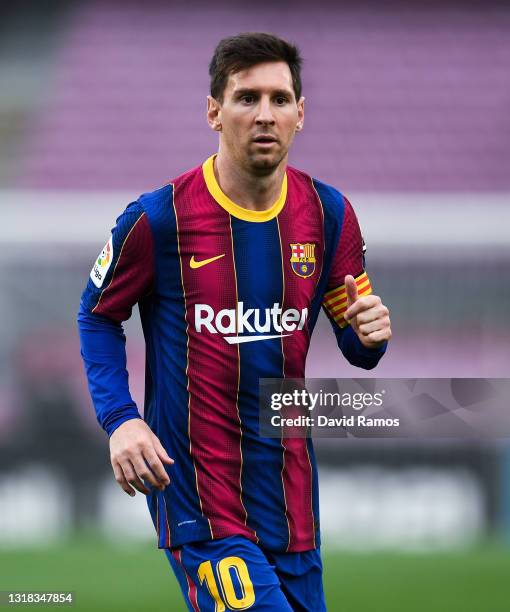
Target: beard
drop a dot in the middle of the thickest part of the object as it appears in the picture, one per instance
(261, 164)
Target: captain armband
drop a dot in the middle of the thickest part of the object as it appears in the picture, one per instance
(335, 300)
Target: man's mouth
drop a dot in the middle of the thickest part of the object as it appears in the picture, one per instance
(265, 139)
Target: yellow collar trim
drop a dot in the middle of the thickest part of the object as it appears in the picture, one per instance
(234, 209)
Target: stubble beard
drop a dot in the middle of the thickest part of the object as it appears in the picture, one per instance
(264, 165)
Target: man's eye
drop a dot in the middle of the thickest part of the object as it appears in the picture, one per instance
(247, 99)
(280, 100)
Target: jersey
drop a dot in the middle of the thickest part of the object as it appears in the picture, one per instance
(226, 296)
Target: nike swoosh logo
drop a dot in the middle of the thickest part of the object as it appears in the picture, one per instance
(194, 264)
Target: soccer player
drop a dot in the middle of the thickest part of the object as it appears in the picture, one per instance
(230, 264)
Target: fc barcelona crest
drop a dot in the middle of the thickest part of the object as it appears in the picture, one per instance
(302, 259)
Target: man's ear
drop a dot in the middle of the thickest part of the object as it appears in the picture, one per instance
(301, 114)
(213, 114)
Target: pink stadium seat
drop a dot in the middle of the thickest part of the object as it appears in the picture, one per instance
(396, 99)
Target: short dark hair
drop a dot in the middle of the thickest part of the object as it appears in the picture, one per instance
(245, 50)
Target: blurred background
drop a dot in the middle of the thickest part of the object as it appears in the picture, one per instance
(407, 113)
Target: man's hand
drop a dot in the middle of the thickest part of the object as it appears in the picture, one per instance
(367, 315)
(136, 453)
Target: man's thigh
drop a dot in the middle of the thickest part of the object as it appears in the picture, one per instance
(228, 574)
(300, 576)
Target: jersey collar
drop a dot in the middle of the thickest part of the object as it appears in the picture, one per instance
(234, 209)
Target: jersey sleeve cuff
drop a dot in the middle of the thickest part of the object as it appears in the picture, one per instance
(367, 352)
(356, 353)
(113, 423)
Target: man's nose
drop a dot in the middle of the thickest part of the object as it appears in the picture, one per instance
(264, 115)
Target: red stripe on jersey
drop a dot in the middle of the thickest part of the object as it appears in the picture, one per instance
(167, 527)
(348, 258)
(160, 500)
(214, 425)
(132, 275)
(294, 227)
(192, 587)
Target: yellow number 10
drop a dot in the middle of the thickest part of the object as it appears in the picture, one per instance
(230, 598)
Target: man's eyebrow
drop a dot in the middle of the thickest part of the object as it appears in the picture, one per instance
(245, 91)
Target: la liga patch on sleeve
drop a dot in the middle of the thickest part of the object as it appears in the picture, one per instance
(102, 264)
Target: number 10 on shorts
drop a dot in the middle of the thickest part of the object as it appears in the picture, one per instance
(222, 578)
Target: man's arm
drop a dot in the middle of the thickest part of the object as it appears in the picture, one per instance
(122, 274)
(104, 355)
(359, 318)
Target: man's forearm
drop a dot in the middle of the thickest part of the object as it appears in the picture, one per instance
(103, 349)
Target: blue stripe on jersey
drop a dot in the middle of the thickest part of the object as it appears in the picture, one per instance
(164, 326)
(333, 206)
(259, 285)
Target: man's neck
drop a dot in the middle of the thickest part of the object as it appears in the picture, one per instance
(245, 189)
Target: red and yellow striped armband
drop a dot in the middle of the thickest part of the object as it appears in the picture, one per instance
(335, 300)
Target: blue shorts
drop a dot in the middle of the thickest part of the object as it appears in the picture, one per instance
(235, 574)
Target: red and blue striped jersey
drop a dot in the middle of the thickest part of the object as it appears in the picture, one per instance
(226, 296)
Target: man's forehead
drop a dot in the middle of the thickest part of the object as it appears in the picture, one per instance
(266, 76)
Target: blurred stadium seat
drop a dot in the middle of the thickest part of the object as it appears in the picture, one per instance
(398, 99)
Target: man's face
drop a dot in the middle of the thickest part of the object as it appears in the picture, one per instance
(258, 117)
